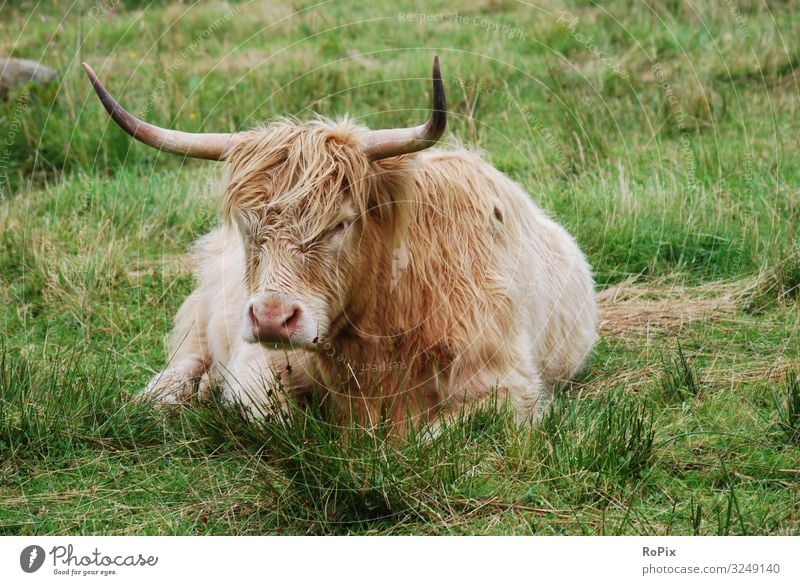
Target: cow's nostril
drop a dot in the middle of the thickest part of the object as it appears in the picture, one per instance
(274, 320)
(292, 319)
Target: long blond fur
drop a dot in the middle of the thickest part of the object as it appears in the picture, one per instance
(453, 285)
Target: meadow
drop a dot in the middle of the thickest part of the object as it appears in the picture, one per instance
(664, 136)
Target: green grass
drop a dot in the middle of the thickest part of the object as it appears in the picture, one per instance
(678, 178)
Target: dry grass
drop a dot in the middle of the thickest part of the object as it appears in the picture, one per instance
(642, 315)
(636, 310)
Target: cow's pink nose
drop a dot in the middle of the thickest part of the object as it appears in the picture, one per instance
(274, 320)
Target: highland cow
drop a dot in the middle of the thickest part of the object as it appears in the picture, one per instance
(389, 281)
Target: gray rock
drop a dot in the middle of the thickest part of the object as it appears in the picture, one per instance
(16, 72)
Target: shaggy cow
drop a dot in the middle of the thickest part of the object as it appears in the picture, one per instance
(391, 286)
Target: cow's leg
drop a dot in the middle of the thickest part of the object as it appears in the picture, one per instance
(260, 380)
(520, 387)
(189, 358)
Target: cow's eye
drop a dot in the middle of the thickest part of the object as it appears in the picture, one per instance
(340, 227)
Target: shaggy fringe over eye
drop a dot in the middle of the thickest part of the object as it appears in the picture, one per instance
(299, 173)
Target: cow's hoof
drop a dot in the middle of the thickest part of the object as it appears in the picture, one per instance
(205, 389)
(168, 388)
(251, 404)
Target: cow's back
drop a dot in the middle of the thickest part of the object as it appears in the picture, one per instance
(511, 279)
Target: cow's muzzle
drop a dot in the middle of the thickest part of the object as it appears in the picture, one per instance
(273, 319)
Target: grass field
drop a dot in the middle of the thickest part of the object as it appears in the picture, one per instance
(664, 135)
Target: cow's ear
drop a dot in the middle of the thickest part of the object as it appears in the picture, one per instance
(394, 190)
(395, 178)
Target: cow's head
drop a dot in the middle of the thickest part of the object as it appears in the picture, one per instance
(315, 205)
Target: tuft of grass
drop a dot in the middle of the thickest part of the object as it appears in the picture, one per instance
(615, 444)
(336, 479)
(679, 381)
(779, 285)
(48, 410)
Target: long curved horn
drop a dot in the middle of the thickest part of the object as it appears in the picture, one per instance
(380, 144)
(207, 146)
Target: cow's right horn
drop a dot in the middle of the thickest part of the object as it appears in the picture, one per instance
(207, 146)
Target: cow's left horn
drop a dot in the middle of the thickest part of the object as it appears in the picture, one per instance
(385, 143)
(207, 146)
